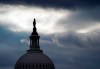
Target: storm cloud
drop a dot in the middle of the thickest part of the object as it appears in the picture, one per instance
(71, 36)
(56, 3)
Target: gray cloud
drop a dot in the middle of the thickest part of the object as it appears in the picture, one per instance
(56, 3)
(82, 50)
(81, 19)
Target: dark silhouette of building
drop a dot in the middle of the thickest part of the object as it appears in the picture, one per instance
(34, 58)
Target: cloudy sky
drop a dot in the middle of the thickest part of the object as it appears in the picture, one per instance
(69, 31)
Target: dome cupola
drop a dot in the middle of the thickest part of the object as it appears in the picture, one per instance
(34, 58)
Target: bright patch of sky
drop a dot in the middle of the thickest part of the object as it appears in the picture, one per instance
(21, 18)
(89, 29)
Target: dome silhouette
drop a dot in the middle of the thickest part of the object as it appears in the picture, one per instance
(34, 58)
(34, 61)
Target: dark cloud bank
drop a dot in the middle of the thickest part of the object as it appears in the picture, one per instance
(56, 3)
(76, 51)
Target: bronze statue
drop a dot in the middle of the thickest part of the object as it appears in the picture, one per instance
(34, 22)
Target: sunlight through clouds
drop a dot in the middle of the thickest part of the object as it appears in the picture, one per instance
(89, 29)
(21, 18)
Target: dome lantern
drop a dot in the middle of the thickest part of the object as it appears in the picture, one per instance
(34, 40)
